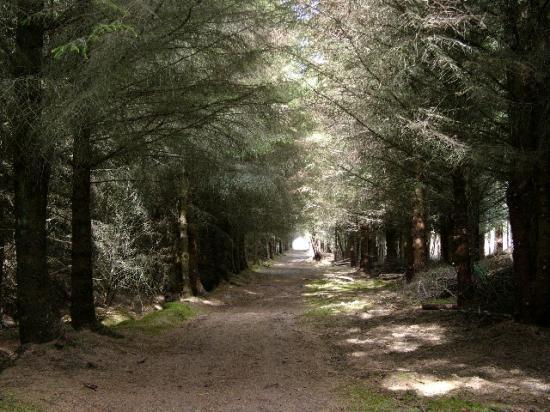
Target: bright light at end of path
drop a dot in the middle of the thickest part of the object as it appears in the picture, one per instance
(300, 243)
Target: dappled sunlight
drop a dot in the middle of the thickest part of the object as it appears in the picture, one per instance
(400, 338)
(432, 385)
(374, 313)
(345, 284)
(424, 385)
(411, 352)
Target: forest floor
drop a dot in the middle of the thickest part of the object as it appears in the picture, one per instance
(297, 336)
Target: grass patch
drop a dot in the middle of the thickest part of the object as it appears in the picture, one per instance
(364, 399)
(171, 316)
(367, 399)
(454, 404)
(8, 402)
(322, 312)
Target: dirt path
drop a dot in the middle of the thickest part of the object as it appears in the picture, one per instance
(298, 336)
(251, 351)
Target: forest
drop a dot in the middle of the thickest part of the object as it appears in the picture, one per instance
(158, 158)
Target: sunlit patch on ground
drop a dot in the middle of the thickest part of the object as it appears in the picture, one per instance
(321, 307)
(431, 385)
(341, 294)
(366, 398)
(401, 338)
(344, 284)
(424, 385)
(203, 301)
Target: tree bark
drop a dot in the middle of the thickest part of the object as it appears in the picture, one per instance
(446, 232)
(2, 258)
(408, 252)
(364, 233)
(499, 238)
(391, 247)
(195, 284)
(242, 252)
(180, 273)
(461, 239)
(255, 249)
(541, 306)
(418, 230)
(352, 249)
(473, 196)
(39, 320)
(528, 198)
(82, 288)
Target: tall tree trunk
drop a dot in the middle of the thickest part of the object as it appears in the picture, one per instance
(242, 251)
(195, 284)
(364, 233)
(541, 301)
(391, 248)
(528, 84)
(373, 249)
(461, 239)
(352, 249)
(267, 249)
(39, 320)
(82, 287)
(2, 258)
(474, 196)
(499, 238)
(255, 248)
(38, 317)
(408, 252)
(180, 273)
(418, 230)
(446, 232)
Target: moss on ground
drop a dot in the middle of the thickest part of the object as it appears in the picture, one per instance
(369, 400)
(8, 402)
(171, 316)
(454, 404)
(320, 312)
(365, 399)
